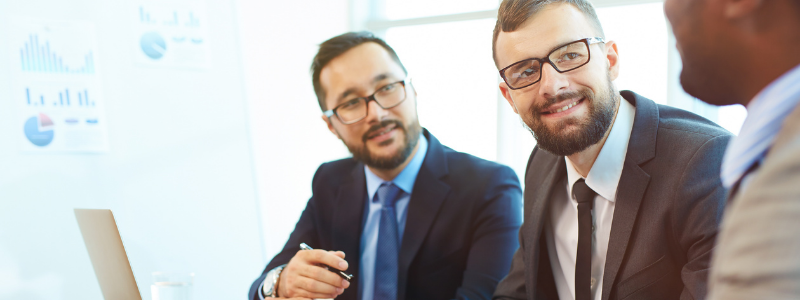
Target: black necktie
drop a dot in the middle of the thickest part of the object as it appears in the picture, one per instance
(583, 262)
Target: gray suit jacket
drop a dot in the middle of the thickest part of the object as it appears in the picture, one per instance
(758, 252)
(669, 203)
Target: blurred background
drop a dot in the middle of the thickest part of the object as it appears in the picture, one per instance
(196, 123)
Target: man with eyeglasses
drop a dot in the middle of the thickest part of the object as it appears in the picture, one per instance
(623, 196)
(416, 219)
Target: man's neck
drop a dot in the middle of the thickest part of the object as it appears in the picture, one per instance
(765, 74)
(390, 174)
(584, 160)
(769, 54)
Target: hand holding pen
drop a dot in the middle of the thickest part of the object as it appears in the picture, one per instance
(308, 275)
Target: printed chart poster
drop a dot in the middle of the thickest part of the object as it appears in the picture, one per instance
(171, 34)
(56, 87)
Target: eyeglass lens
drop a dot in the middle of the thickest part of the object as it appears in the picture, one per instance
(387, 97)
(566, 58)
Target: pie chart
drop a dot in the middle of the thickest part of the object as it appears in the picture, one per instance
(153, 45)
(39, 130)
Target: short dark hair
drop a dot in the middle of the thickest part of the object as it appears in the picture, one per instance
(338, 45)
(512, 13)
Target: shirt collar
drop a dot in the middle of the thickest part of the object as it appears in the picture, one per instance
(405, 180)
(604, 176)
(765, 115)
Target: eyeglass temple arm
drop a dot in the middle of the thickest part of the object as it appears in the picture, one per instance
(595, 40)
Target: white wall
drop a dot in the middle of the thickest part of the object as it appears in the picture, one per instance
(179, 174)
(290, 140)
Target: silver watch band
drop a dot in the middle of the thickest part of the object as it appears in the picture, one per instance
(271, 282)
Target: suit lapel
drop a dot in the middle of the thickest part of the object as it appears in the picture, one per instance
(632, 185)
(426, 200)
(555, 169)
(347, 219)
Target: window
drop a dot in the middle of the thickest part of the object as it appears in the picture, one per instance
(455, 79)
(446, 46)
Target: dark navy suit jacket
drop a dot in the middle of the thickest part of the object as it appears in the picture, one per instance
(460, 234)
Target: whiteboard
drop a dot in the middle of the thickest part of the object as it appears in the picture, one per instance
(177, 172)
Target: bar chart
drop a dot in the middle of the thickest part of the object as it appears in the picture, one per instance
(61, 97)
(56, 85)
(37, 56)
(176, 18)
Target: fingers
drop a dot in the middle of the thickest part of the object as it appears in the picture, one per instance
(305, 276)
(323, 275)
(311, 288)
(340, 254)
(326, 258)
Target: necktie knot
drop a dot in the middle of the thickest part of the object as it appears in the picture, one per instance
(387, 194)
(583, 193)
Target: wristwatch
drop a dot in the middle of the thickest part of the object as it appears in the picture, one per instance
(271, 282)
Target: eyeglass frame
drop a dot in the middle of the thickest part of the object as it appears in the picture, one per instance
(331, 112)
(588, 41)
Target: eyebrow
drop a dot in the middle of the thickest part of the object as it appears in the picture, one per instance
(353, 90)
(553, 49)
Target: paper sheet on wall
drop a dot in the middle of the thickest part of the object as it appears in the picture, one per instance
(56, 86)
(171, 34)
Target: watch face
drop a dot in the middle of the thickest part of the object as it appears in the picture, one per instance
(271, 282)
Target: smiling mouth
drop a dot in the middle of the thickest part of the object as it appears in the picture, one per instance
(385, 130)
(563, 108)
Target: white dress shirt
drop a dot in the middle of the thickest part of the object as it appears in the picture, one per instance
(562, 230)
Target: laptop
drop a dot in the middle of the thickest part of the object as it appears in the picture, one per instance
(110, 262)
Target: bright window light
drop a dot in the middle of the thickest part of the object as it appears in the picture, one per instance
(408, 9)
(456, 81)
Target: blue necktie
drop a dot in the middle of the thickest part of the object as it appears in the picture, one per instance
(387, 257)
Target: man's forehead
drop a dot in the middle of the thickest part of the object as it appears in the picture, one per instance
(358, 69)
(553, 26)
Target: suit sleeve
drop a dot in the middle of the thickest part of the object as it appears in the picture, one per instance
(699, 201)
(305, 231)
(513, 285)
(494, 238)
(757, 256)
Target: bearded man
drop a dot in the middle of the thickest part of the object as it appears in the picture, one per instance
(416, 219)
(623, 196)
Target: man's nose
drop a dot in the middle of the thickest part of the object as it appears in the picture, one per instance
(552, 82)
(375, 113)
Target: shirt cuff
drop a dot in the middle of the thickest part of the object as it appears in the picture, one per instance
(261, 290)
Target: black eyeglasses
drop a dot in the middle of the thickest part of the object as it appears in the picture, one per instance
(565, 58)
(356, 109)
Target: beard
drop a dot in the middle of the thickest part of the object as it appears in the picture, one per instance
(362, 153)
(589, 131)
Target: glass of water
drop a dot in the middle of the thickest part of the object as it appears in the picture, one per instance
(172, 286)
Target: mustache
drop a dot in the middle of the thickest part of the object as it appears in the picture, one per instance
(380, 126)
(582, 93)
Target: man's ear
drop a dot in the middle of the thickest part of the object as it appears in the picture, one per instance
(735, 9)
(330, 126)
(507, 94)
(612, 55)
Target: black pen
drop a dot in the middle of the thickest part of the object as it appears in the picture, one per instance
(344, 276)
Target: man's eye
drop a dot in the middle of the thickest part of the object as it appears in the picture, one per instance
(569, 56)
(388, 87)
(349, 104)
(529, 72)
